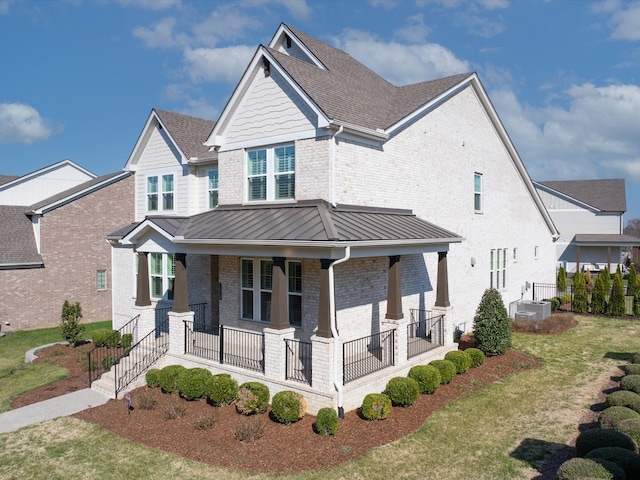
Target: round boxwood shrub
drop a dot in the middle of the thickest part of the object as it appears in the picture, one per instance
(327, 421)
(460, 359)
(491, 325)
(221, 389)
(623, 398)
(609, 417)
(113, 340)
(630, 427)
(628, 460)
(602, 437)
(635, 358)
(126, 341)
(446, 368)
(427, 376)
(288, 406)
(403, 391)
(630, 382)
(252, 398)
(582, 468)
(477, 356)
(192, 383)
(632, 369)
(169, 378)
(99, 335)
(375, 406)
(153, 377)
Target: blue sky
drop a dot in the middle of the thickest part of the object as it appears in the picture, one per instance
(78, 78)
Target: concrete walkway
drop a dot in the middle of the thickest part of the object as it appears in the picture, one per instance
(61, 406)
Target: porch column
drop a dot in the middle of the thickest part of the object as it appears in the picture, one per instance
(279, 313)
(180, 292)
(324, 307)
(394, 292)
(143, 295)
(442, 288)
(609, 258)
(577, 258)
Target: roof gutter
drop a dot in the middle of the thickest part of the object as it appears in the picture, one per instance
(334, 330)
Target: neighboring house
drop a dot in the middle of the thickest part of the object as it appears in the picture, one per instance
(589, 217)
(52, 228)
(345, 225)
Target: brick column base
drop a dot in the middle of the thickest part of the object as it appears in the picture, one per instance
(448, 322)
(146, 322)
(323, 364)
(400, 347)
(176, 331)
(275, 351)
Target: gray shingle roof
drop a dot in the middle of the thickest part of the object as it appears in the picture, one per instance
(188, 132)
(606, 239)
(7, 178)
(17, 239)
(607, 195)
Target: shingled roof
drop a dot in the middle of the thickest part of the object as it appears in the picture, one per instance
(188, 132)
(19, 248)
(606, 195)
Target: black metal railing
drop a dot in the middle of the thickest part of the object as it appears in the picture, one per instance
(367, 355)
(225, 345)
(143, 354)
(298, 360)
(546, 291)
(102, 357)
(424, 333)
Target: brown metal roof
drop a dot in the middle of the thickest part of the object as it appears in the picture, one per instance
(606, 195)
(611, 239)
(17, 239)
(189, 132)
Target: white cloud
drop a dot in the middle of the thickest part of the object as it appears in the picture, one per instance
(5, 6)
(626, 23)
(488, 4)
(161, 35)
(398, 63)
(415, 31)
(226, 22)
(152, 4)
(218, 64)
(20, 123)
(298, 8)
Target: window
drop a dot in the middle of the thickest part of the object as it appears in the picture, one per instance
(515, 255)
(162, 270)
(271, 173)
(257, 285)
(535, 252)
(213, 187)
(477, 192)
(160, 192)
(101, 279)
(498, 269)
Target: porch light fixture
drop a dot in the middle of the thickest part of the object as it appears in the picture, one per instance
(473, 261)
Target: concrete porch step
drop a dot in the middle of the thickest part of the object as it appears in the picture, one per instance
(106, 383)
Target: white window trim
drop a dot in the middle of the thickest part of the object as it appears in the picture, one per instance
(478, 192)
(270, 174)
(98, 287)
(165, 276)
(515, 254)
(498, 268)
(210, 190)
(161, 192)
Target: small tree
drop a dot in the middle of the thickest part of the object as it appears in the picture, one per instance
(70, 322)
(598, 299)
(562, 279)
(616, 302)
(588, 282)
(606, 276)
(580, 298)
(632, 281)
(491, 326)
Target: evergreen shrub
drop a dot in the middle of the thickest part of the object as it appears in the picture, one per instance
(70, 326)
(630, 427)
(288, 406)
(609, 417)
(446, 368)
(252, 398)
(126, 341)
(427, 376)
(221, 389)
(623, 398)
(581, 469)
(99, 335)
(192, 383)
(635, 358)
(491, 326)
(580, 297)
(477, 356)
(113, 340)
(169, 378)
(460, 359)
(598, 299)
(327, 421)
(630, 382)
(375, 406)
(616, 303)
(602, 437)
(632, 369)
(628, 460)
(403, 391)
(153, 377)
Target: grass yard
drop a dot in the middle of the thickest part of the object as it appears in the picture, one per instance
(499, 432)
(16, 376)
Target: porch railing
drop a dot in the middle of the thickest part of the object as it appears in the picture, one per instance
(424, 332)
(367, 355)
(101, 358)
(225, 345)
(298, 361)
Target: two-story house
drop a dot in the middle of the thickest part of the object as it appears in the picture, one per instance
(330, 230)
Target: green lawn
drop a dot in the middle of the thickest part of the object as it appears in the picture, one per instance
(16, 376)
(498, 432)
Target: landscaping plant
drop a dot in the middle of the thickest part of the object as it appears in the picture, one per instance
(446, 368)
(169, 378)
(192, 383)
(562, 279)
(583, 468)
(580, 296)
(477, 356)
(616, 303)
(70, 326)
(491, 326)
(460, 359)
(630, 382)
(427, 376)
(288, 406)
(221, 389)
(609, 417)
(376, 406)
(601, 437)
(327, 421)
(627, 459)
(403, 391)
(252, 398)
(599, 299)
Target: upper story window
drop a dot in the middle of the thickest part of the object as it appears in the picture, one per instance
(212, 187)
(271, 173)
(160, 190)
(477, 192)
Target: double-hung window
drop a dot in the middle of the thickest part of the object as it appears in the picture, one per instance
(498, 268)
(162, 270)
(160, 191)
(477, 192)
(257, 287)
(101, 279)
(212, 187)
(271, 173)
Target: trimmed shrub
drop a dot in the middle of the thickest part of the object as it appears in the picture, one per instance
(616, 303)
(192, 383)
(460, 359)
(491, 326)
(631, 369)
(113, 340)
(126, 341)
(403, 391)
(580, 297)
(99, 335)
(630, 427)
(582, 468)
(598, 299)
(602, 437)
(169, 378)
(427, 376)
(562, 279)
(606, 277)
(555, 303)
(446, 368)
(632, 281)
(630, 382)
(628, 460)
(288, 406)
(153, 377)
(635, 358)
(477, 356)
(221, 390)
(609, 417)
(327, 421)
(623, 398)
(252, 398)
(70, 326)
(375, 406)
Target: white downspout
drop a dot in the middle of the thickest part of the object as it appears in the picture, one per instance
(334, 330)
(333, 165)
